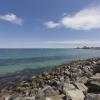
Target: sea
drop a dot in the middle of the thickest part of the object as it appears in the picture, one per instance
(14, 61)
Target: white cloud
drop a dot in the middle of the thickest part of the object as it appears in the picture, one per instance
(12, 18)
(51, 24)
(85, 19)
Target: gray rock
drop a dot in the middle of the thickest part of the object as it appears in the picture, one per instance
(83, 79)
(96, 76)
(92, 96)
(94, 84)
(49, 91)
(30, 98)
(81, 87)
(57, 97)
(40, 95)
(72, 93)
(12, 97)
(98, 62)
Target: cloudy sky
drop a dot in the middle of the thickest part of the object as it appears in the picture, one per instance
(49, 23)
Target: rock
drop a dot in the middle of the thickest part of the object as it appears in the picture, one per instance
(21, 98)
(81, 87)
(73, 93)
(48, 98)
(68, 86)
(94, 84)
(66, 72)
(74, 69)
(33, 77)
(49, 91)
(97, 67)
(98, 62)
(24, 84)
(83, 80)
(87, 71)
(92, 96)
(57, 97)
(7, 97)
(67, 79)
(2, 98)
(11, 97)
(40, 95)
(45, 74)
(30, 98)
(96, 76)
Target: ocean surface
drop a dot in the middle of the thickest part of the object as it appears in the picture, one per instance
(18, 60)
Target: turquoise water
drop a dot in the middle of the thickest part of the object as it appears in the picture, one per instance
(16, 60)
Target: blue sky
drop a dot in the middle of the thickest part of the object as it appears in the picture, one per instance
(49, 23)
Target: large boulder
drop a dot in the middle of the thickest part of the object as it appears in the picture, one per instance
(94, 84)
(92, 96)
(96, 76)
(81, 87)
(97, 67)
(73, 93)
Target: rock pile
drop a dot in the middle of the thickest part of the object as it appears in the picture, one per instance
(78, 80)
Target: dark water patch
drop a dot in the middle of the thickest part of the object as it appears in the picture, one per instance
(6, 62)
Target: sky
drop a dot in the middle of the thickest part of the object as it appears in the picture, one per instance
(49, 23)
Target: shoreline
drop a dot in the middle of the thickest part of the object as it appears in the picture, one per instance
(76, 74)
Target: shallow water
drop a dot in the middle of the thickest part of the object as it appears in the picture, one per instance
(16, 60)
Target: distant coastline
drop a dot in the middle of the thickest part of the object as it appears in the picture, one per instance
(86, 47)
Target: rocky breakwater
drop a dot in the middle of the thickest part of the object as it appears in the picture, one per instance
(78, 80)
